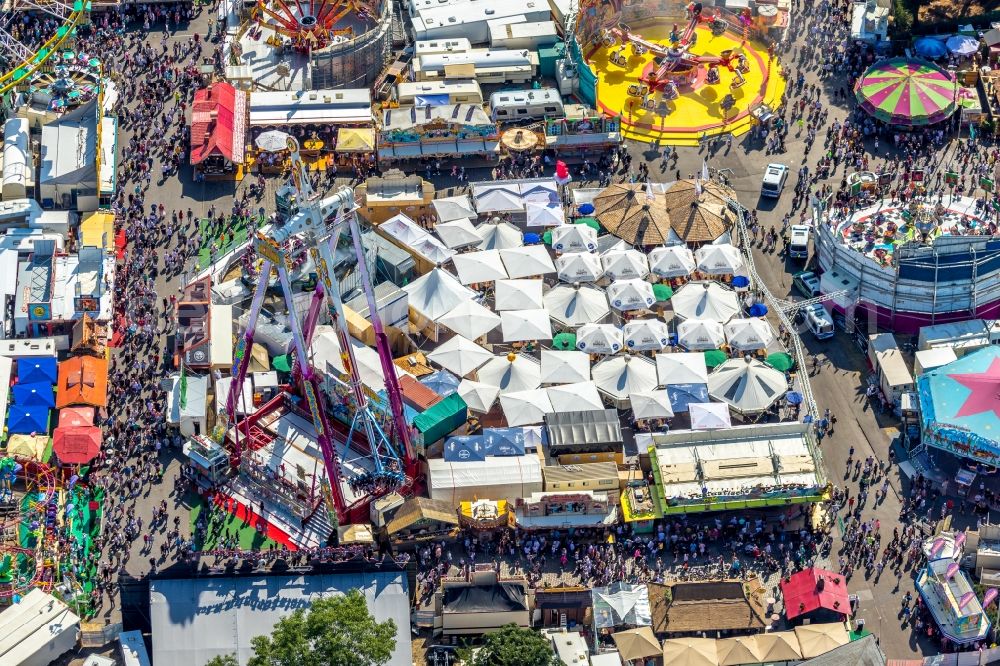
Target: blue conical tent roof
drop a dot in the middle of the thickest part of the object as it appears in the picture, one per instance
(26, 420)
(34, 394)
(34, 370)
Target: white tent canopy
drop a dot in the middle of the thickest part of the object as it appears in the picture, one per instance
(499, 236)
(651, 405)
(523, 325)
(518, 295)
(479, 397)
(578, 397)
(540, 192)
(672, 261)
(599, 339)
(437, 293)
(460, 355)
(749, 334)
(700, 334)
(746, 384)
(513, 372)
(574, 238)
(705, 300)
(484, 266)
(454, 208)
(631, 295)
(544, 214)
(527, 261)
(498, 198)
(625, 264)
(470, 319)
(579, 267)
(573, 306)
(719, 259)
(525, 407)
(709, 416)
(646, 335)
(457, 233)
(618, 377)
(681, 368)
(432, 250)
(564, 367)
(403, 229)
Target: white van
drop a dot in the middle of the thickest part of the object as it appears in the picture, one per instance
(818, 321)
(537, 104)
(774, 180)
(798, 248)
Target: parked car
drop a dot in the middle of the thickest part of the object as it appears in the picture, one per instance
(806, 283)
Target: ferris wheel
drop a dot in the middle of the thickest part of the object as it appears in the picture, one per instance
(32, 32)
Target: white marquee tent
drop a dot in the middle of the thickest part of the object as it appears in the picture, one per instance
(700, 334)
(460, 355)
(523, 325)
(631, 295)
(578, 397)
(544, 214)
(484, 266)
(527, 261)
(498, 236)
(437, 293)
(646, 335)
(599, 339)
(403, 229)
(705, 300)
(719, 259)
(454, 208)
(470, 319)
(573, 306)
(525, 407)
(574, 238)
(564, 367)
(709, 416)
(518, 295)
(749, 334)
(479, 397)
(747, 385)
(498, 198)
(457, 233)
(618, 377)
(625, 264)
(579, 267)
(511, 373)
(672, 261)
(681, 368)
(653, 404)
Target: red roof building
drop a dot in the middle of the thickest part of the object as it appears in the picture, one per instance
(219, 123)
(76, 445)
(815, 593)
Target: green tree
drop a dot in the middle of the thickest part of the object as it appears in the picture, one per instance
(336, 631)
(514, 646)
(902, 18)
(223, 660)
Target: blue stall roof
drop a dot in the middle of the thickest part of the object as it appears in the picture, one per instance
(23, 420)
(35, 370)
(34, 394)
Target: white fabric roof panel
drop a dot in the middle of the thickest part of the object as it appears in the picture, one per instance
(496, 478)
(573, 306)
(525, 407)
(523, 325)
(460, 355)
(457, 233)
(544, 214)
(527, 261)
(564, 367)
(705, 300)
(518, 295)
(499, 236)
(520, 374)
(483, 266)
(437, 293)
(498, 198)
(578, 397)
(681, 368)
(470, 319)
(454, 208)
(620, 376)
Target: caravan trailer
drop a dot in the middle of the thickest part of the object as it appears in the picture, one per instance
(514, 105)
(444, 91)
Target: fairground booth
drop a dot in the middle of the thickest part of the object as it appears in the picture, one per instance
(960, 407)
(219, 131)
(334, 127)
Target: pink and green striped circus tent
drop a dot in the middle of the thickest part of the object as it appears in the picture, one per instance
(907, 91)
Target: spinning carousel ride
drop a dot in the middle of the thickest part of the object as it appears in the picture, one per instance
(314, 24)
(75, 80)
(25, 49)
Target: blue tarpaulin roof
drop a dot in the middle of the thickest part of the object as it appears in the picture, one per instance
(466, 448)
(33, 370)
(682, 395)
(441, 382)
(430, 100)
(26, 420)
(34, 394)
(493, 442)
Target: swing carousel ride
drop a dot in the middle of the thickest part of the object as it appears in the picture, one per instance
(677, 85)
(314, 24)
(26, 45)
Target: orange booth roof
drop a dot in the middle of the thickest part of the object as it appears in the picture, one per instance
(83, 380)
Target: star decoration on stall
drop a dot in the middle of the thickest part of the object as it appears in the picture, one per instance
(985, 390)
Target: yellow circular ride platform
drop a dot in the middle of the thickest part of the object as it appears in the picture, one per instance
(696, 111)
